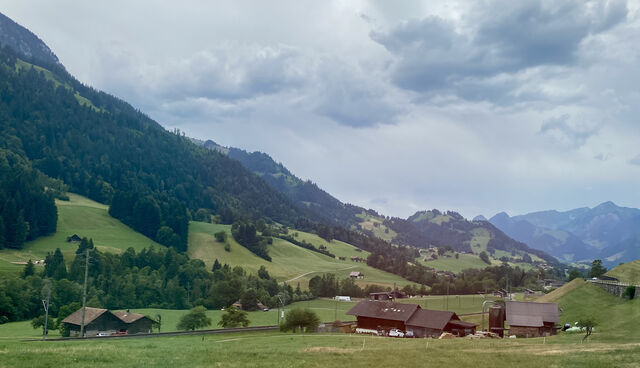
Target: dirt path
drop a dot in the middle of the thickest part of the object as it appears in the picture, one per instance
(305, 274)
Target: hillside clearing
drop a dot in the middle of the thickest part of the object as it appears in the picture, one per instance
(83, 217)
(289, 261)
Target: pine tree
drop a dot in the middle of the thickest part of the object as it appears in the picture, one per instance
(29, 270)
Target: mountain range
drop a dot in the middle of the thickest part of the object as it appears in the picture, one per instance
(607, 231)
(421, 230)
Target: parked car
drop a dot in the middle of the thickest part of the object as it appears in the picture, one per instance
(101, 334)
(119, 333)
(408, 334)
(394, 332)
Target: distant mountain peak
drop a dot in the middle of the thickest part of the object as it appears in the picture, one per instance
(25, 43)
(608, 205)
(480, 218)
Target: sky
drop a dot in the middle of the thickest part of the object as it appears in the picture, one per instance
(472, 106)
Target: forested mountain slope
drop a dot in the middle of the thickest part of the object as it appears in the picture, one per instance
(103, 148)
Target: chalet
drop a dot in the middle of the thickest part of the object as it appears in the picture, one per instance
(551, 283)
(387, 295)
(358, 259)
(500, 293)
(102, 321)
(135, 322)
(377, 315)
(529, 319)
(356, 275)
(74, 239)
(261, 306)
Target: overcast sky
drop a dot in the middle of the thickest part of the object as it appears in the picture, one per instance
(476, 106)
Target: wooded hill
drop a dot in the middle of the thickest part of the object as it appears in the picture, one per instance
(103, 148)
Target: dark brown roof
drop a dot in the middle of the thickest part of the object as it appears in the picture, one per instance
(383, 310)
(531, 314)
(90, 314)
(431, 318)
(128, 317)
(463, 324)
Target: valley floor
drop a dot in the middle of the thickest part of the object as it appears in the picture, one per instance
(615, 343)
(270, 349)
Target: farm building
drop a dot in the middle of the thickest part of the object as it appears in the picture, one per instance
(135, 322)
(432, 323)
(356, 275)
(375, 315)
(74, 239)
(525, 319)
(98, 320)
(387, 295)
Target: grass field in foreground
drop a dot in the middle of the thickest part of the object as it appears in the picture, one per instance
(274, 349)
(628, 272)
(86, 218)
(289, 262)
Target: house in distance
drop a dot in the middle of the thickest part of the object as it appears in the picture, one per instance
(102, 321)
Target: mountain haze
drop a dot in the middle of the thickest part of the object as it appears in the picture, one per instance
(607, 231)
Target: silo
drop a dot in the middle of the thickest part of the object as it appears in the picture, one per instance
(496, 319)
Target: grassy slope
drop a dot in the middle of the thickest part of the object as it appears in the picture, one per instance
(86, 218)
(290, 262)
(628, 272)
(376, 225)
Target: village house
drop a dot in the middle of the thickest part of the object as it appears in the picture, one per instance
(102, 321)
(356, 275)
(387, 295)
(384, 315)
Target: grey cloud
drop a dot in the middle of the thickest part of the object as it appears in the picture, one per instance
(231, 72)
(352, 99)
(435, 57)
(602, 156)
(568, 132)
(635, 161)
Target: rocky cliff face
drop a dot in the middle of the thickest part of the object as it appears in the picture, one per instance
(25, 42)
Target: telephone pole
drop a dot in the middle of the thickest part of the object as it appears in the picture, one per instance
(45, 304)
(84, 293)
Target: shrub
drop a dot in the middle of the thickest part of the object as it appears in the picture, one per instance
(305, 319)
(196, 318)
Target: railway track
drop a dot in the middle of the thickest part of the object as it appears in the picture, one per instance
(167, 334)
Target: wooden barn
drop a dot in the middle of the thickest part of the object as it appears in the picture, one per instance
(432, 323)
(96, 320)
(135, 323)
(384, 315)
(529, 319)
(102, 321)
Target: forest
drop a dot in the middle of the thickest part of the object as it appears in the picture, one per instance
(152, 278)
(108, 151)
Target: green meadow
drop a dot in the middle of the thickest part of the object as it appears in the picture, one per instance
(290, 262)
(85, 218)
(627, 272)
(614, 343)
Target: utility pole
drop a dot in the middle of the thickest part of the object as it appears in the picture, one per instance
(447, 295)
(84, 293)
(45, 304)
